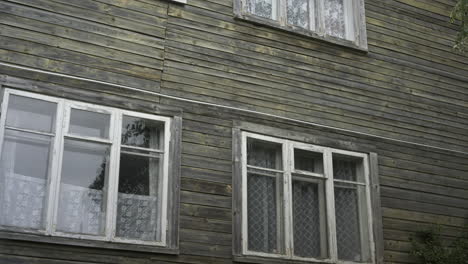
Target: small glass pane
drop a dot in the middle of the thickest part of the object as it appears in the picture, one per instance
(23, 179)
(263, 8)
(335, 18)
(32, 114)
(348, 168)
(264, 154)
(89, 124)
(83, 185)
(308, 161)
(138, 208)
(299, 12)
(309, 219)
(263, 212)
(143, 133)
(351, 222)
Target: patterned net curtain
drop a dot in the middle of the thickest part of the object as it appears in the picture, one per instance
(262, 196)
(347, 210)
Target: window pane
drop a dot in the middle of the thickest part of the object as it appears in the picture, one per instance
(263, 8)
(351, 222)
(298, 12)
(23, 179)
(263, 212)
(309, 219)
(264, 154)
(143, 133)
(138, 209)
(32, 114)
(90, 124)
(335, 18)
(308, 161)
(347, 168)
(83, 185)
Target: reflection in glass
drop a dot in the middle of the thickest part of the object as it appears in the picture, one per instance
(23, 179)
(32, 114)
(139, 198)
(310, 235)
(264, 154)
(263, 211)
(263, 8)
(143, 133)
(308, 161)
(83, 184)
(298, 12)
(90, 124)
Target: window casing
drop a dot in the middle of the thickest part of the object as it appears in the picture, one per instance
(338, 21)
(68, 170)
(304, 202)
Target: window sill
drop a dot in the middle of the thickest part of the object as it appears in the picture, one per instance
(300, 31)
(266, 260)
(39, 238)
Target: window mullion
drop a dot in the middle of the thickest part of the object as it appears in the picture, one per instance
(288, 236)
(330, 201)
(112, 193)
(62, 117)
(282, 12)
(2, 138)
(320, 28)
(349, 19)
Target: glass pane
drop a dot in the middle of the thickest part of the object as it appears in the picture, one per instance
(32, 114)
(23, 179)
(90, 124)
(347, 168)
(309, 219)
(264, 154)
(308, 161)
(83, 185)
(298, 12)
(263, 212)
(351, 221)
(138, 208)
(143, 133)
(263, 8)
(335, 18)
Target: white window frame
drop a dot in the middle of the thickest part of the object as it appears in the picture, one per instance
(63, 111)
(355, 26)
(288, 147)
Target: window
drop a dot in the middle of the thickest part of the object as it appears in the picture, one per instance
(77, 170)
(339, 21)
(303, 202)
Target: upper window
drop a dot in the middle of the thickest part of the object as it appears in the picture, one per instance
(304, 202)
(339, 21)
(78, 170)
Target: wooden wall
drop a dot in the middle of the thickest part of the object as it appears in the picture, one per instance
(409, 86)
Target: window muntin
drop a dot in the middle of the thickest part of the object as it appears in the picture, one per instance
(71, 187)
(337, 21)
(310, 203)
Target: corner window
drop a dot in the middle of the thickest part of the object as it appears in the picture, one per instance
(339, 21)
(83, 171)
(304, 202)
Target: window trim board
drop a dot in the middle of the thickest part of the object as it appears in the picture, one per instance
(359, 41)
(239, 237)
(169, 241)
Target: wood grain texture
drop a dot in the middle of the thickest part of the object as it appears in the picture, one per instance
(410, 86)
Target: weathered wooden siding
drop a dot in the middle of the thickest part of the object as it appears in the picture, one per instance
(113, 41)
(410, 86)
